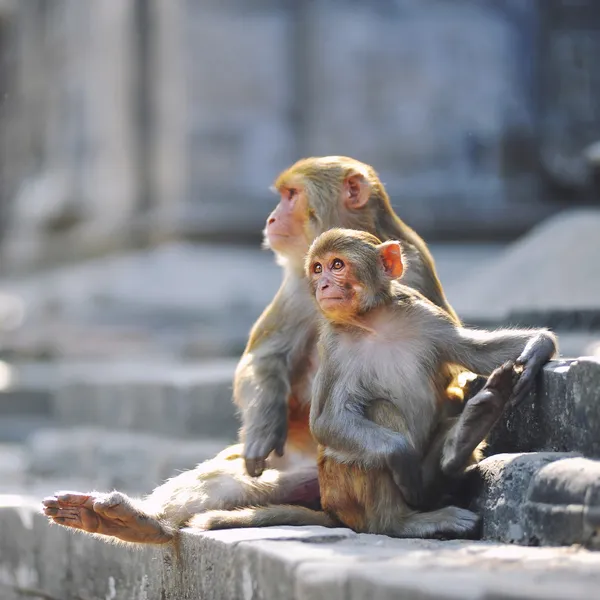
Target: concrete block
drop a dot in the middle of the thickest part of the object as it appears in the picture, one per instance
(563, 415)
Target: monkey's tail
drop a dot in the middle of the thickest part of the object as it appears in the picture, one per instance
(261, 516)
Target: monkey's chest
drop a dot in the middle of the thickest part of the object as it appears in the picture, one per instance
(397, 369)
(393, 381)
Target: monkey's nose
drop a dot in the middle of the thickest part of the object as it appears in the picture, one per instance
(270, 220)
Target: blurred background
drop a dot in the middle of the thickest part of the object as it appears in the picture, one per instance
(139, 139)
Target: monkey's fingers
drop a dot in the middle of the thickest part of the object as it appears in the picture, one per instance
(255, 466)
(524, 386)
(64, 499)
(257, 450)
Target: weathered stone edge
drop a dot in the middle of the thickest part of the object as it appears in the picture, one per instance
(543, 498)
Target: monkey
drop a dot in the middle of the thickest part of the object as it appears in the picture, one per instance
(378, 397)
(273, 379)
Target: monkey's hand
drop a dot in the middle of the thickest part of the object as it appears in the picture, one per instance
(529, 365)
(261, 441)
(405, 465)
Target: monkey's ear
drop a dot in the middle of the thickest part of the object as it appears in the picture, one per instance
(356, 190)
(391, 257)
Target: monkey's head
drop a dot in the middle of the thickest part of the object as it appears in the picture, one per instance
(318, 194)
(350, 272)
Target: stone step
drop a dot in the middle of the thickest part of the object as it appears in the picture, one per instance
(178, 401)
(103, 459)
(302, 563)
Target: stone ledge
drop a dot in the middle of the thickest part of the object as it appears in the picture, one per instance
(306, 563)
(563, 415)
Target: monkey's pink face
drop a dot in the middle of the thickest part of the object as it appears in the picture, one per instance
(335, 289)
(285, 231)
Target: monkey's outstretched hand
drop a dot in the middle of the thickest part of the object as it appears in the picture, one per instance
(405, 465)
(260, 442)
(529, 365)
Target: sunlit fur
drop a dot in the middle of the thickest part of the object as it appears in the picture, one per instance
(273, 380)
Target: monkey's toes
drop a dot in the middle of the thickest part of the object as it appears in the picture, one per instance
(70, 510)
(74, 499)
(503, 380)
(464, 523)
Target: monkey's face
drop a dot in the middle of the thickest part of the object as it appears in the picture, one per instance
(335, 288)
(286, 228)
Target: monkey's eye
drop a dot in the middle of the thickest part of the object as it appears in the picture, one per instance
(292, 192)
(337, 264)
(317, 268)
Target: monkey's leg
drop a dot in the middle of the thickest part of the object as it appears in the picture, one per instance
(217, 484)
(449, 521)
(477, 419)
(369, 501)
(261, 516)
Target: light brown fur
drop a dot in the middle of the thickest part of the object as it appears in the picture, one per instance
(378, 409)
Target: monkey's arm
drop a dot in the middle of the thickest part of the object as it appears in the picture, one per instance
(483, 351)
(338, 422)
(261, 389)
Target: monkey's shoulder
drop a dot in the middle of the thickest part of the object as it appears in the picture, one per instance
(405, 299)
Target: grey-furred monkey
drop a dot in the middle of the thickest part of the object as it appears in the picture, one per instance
(274, 377)
(379, 396)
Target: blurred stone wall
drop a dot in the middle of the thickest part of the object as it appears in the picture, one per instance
(132, 121)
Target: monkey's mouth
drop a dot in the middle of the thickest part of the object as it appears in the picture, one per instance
(324, 300)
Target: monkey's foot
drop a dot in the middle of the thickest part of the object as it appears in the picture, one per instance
(502, 381)
(477, 419)
(110, 514)
(458, 523)
(444, 523)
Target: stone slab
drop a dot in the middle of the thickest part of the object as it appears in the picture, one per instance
(307, 563)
